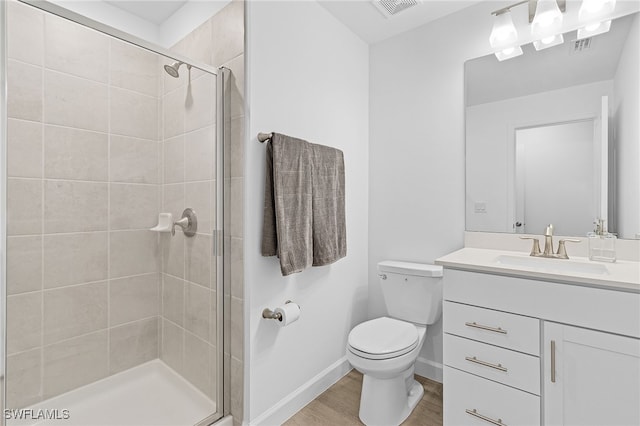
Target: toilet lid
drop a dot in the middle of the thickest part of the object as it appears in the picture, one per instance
(383, 338)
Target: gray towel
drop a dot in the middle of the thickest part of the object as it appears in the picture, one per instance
(304, 210)
(329, 226)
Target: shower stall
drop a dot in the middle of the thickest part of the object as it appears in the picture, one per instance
(106, 321)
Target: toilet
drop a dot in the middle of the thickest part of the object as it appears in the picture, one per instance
(385, 349)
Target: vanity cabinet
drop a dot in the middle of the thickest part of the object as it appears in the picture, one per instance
(590, 377)
(504, 335)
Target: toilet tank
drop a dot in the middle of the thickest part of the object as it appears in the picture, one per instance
(412, 291)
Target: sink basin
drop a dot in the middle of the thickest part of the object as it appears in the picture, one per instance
(542, 264)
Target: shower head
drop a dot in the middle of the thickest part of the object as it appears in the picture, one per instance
(172, 69)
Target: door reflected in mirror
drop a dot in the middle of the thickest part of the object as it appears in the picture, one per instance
(555, 171)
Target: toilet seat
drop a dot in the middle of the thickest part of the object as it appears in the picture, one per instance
(383, 338)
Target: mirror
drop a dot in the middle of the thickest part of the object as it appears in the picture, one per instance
(552, 136)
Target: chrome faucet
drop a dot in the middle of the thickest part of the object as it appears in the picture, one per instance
(548, 245)
(548, 241)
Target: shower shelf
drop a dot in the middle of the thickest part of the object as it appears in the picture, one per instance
(165, 223)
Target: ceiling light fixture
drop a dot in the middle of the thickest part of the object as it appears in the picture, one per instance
(504, 36)
(595, 15)
(508, 53)
(546, 27)
(545, 17)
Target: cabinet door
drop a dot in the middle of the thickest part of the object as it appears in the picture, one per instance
(595, 380)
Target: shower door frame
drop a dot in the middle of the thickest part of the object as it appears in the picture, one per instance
(3, 205)
(220, 248)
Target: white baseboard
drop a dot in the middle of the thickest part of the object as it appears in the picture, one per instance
(429, 369)
(306, 393)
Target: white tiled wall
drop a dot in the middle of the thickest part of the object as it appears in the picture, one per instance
(188, 180)
(100, 141)
(188, 280)
(83, 163)
(218, 42)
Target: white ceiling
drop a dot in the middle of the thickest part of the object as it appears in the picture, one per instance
(362, 17)
(153, 11)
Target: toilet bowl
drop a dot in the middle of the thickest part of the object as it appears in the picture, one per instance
(385, 349)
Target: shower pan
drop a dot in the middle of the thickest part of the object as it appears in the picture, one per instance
(105, 322)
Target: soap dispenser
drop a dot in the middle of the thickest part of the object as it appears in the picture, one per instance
(602, 244)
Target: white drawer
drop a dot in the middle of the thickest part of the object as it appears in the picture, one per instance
(598, 308)
(498, 328)
(464, 392)
(512, 368)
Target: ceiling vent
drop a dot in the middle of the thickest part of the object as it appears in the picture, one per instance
(581, 45)
(390, 8)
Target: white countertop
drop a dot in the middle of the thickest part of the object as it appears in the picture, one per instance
(622, 275)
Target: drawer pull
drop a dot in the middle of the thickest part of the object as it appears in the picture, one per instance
(474, 413)
(485, 327)
(485, 363)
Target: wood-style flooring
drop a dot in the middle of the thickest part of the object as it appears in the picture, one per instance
(339, 405)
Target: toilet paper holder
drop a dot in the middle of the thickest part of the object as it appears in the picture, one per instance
(269, 314)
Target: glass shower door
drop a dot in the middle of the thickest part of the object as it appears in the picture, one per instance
(106, 320)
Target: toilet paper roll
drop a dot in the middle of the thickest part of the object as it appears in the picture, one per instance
(290, 312)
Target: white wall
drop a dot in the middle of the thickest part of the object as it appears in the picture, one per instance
(627, 127)
(490, 147)
(308, 77)
(416, 179)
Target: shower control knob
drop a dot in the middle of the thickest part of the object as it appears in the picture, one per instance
(383, 276)
(188, 223)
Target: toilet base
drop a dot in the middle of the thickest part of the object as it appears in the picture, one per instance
(415, 395)
(388, 402)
